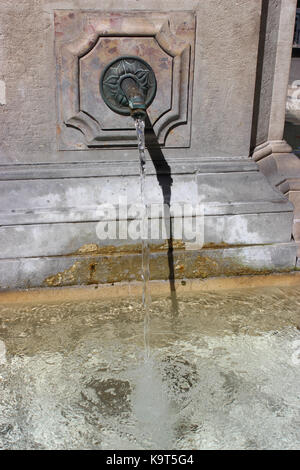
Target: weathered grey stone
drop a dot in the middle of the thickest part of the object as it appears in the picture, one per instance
(276, 34)
(51, 198)
(273, 155)
(79, 199)
(224, 85)
(130, 168)
(66, 238)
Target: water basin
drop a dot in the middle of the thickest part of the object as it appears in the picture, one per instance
(223, 372)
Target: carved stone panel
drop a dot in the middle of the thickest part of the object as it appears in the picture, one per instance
(86, 41)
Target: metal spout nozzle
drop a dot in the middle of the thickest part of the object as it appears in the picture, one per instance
(135, 97)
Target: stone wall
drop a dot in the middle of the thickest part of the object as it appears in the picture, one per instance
(225, 65)
(51, 193)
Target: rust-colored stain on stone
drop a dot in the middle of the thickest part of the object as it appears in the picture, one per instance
(88, 248)
(214, 246)
(176, 245)
(94, 249)
(101, 265)
(65, 278)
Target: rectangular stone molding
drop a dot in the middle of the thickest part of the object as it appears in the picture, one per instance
(87, 41)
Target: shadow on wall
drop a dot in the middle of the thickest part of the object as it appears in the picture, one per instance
(254, 140)
(165, 180)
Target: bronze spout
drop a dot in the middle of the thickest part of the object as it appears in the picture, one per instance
(135, 97)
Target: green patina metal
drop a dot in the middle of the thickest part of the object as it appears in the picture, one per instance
(128, 84)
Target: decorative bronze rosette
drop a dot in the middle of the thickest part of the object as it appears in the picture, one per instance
(119, 69)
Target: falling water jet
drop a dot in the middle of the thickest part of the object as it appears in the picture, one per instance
(140, 129)
(128, 86)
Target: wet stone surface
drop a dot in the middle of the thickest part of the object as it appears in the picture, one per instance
(223, 373)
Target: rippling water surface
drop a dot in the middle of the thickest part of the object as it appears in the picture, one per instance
(224, 373)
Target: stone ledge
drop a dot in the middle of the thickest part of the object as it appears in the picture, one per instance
(61, 239)
(133, 289)
(102, 269)
(119, 168)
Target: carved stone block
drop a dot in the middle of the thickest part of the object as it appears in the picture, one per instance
(86, 41)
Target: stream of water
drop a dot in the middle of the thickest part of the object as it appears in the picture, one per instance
(140, 130)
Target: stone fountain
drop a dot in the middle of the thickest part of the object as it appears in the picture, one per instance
(65, 151)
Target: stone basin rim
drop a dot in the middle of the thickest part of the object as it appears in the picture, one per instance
(158, 288)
